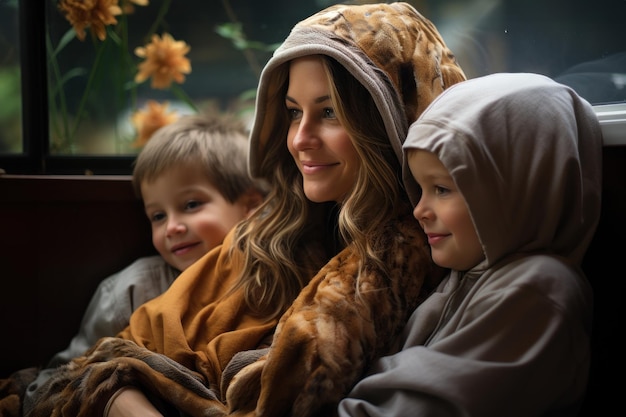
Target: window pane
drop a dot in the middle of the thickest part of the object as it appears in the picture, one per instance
(93, 92)
(10, 90)
(576, 42)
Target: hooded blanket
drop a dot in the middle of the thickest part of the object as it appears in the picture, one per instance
(328, 337)
(178, 345)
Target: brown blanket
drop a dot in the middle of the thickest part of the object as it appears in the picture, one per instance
(321, 348)
(12, 391)
(83, 387)
(331, 333)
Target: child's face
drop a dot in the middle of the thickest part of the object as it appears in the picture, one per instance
(317, 141)
(443, 214)
(189, 216)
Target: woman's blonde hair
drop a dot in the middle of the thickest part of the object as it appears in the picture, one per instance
(290, 238)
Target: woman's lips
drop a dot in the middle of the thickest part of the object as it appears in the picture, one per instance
(315, 167)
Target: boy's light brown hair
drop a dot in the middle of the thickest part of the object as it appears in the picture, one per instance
(214, 143)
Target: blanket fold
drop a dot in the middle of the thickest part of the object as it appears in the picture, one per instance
(12, 391)
(83, 387)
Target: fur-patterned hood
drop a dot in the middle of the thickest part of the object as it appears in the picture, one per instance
(394, 37)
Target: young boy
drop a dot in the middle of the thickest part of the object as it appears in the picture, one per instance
(510, 171)
(192, 177)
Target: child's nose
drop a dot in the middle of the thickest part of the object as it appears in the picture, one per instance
(175, 225)
(421, 211)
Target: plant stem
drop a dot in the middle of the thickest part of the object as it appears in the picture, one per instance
(58, 90)
(92, 75)
(180, 93)
(165, 6)
(247, 53)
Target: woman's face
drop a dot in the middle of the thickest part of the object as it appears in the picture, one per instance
(319, 144)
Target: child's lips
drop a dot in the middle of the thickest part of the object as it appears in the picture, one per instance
(434, 238)
(183, 248)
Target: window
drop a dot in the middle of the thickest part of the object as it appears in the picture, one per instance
(67, 103)
(10, 90)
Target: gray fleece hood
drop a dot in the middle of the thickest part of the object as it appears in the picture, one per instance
(391, 49)
(526, 153)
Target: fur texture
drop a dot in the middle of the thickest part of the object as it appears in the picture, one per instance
(399, 40)
(331, 333)
(83, 387)
(321, 347)
(12, 391)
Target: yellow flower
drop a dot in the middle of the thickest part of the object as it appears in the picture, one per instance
(95, 14)
(164, 61)
(150, 119)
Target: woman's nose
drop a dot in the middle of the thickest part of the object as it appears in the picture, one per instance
(306, 135)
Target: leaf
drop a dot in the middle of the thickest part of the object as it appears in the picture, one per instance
(114, 37)
(229, 30)
(234, 32)
(69, 35)
(73, 73)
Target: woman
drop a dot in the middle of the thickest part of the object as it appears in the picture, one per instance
(332, 150)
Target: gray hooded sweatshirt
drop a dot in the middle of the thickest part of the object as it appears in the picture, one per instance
(511, 336)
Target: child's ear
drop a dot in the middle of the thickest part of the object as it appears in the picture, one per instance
(251, 200)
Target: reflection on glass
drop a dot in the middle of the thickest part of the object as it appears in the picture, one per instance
(578, 43)
(10, 90)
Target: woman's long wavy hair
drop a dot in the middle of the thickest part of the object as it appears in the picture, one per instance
(289, 238)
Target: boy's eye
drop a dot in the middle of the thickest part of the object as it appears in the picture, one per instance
(192, 204)
(439, 190)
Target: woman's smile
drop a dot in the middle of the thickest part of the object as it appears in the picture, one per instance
(317, 141)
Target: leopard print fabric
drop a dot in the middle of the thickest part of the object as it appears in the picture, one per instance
(398, 39)
(330, 334)
(82, 387)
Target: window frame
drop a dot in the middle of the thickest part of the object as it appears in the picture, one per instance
(612, 119)
(36, 158)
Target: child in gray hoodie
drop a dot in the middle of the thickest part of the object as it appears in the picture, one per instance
(510, 171)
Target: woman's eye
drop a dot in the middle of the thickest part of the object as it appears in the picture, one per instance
(329, 113)
(294, 114)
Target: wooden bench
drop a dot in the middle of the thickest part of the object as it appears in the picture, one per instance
(62, 235)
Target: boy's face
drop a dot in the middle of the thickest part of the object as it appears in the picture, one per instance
(189, 216)
(443, 214)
